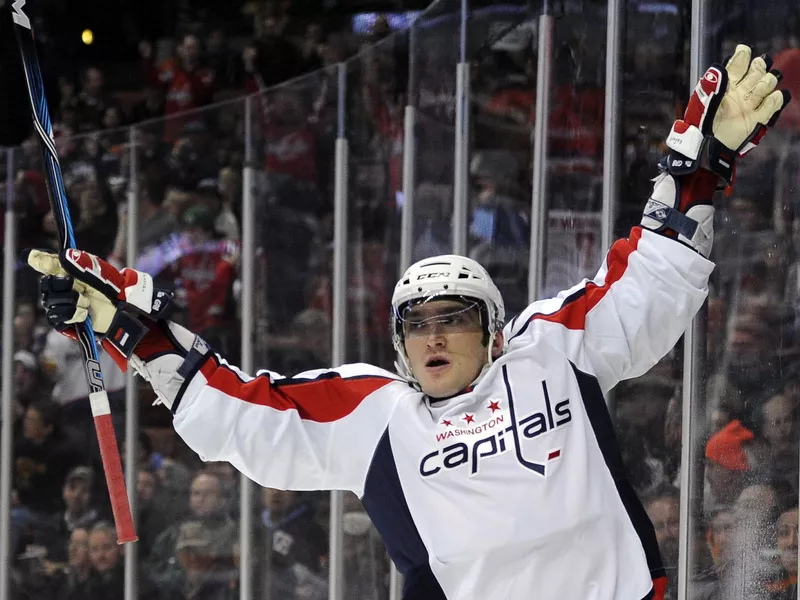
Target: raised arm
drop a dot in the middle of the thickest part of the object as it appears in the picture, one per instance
(650, 286)
(315, 431)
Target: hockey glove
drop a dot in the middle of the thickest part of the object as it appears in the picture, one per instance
(727, 116)
(76, 285)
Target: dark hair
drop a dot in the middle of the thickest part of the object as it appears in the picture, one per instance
(49, 411)
(663, 492)
(104, 527)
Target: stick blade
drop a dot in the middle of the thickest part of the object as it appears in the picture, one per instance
(16, 124)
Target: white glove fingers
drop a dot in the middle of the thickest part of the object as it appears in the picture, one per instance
(765, 86)
(46, 263)
(758, 68)
(739, 63)
(771, 104)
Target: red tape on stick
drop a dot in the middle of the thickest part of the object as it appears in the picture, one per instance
(113, 467)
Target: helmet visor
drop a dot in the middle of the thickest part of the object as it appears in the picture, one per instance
(438, 314)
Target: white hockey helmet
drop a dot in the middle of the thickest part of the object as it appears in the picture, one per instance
(440, 277)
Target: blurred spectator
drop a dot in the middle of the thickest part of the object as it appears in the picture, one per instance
(310, 48)
(366, 562)
(663, 508)
(291, 141)
(753, 567)
(28, 333)
(641, 413)
(153, 519)
(222, 61)
(202, 576)
(225, 224)
(309, 345)
(229, 187)
(106, 581)
(720, 541)
(204, 277)
(432, 220)
(155, 223)
(43, 456)
(54, 535)
(730, 457)
(33, 204)
(298, 546)
(79, 567)
(787, 61)
(150, 107)
(68, 97)
(96, 226)
(78, 513)
(272, 58)
(63, 360)
(30, 384)
(787, 553)
(777, 420)
(184, 80)
(209, 506)
(92, 100)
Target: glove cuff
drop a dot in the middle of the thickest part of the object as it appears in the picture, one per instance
(124, 333)
(712, 156)
(685, 139)
(168, 357)
(681, 209)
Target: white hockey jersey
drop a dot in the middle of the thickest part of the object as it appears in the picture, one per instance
(511, 490)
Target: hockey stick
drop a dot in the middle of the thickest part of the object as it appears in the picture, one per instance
(98, 398)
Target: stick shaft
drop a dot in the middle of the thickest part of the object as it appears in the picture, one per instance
(101, 413)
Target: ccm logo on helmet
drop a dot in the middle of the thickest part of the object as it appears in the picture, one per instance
(432, 275)
(529, 427)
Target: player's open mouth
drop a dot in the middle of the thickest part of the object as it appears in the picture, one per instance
(436, 363)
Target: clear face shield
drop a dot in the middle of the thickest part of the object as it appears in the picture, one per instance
(440, 315)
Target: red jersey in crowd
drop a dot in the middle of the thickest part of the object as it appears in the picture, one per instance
(291, 150)
(206, 282)
(184, 90)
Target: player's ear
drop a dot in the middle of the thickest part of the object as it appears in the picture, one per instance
(497, 344)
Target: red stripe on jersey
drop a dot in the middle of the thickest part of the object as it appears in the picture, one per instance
(323, 400)
(572, 314)
(659, 588)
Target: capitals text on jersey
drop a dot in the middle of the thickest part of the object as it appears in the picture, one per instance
(531, 426)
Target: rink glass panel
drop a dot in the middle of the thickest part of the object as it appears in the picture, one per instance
(294, 130)
(647, 410)
(95, 174)
(501, 49)
(742, 526)
(376, 96)
(435, 54)
(188, 171)
(747, 506)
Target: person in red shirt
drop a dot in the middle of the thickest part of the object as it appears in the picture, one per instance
(291, 142)
(186, 83)
(204, 276)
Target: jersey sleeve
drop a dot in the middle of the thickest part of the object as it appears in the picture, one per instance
(315, 431)
(621, 323)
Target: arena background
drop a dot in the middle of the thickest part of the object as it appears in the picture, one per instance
(278, 163)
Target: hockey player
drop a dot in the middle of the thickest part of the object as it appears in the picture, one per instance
(488, 462)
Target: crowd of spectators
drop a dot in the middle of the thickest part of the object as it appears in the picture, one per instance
(189, 148)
